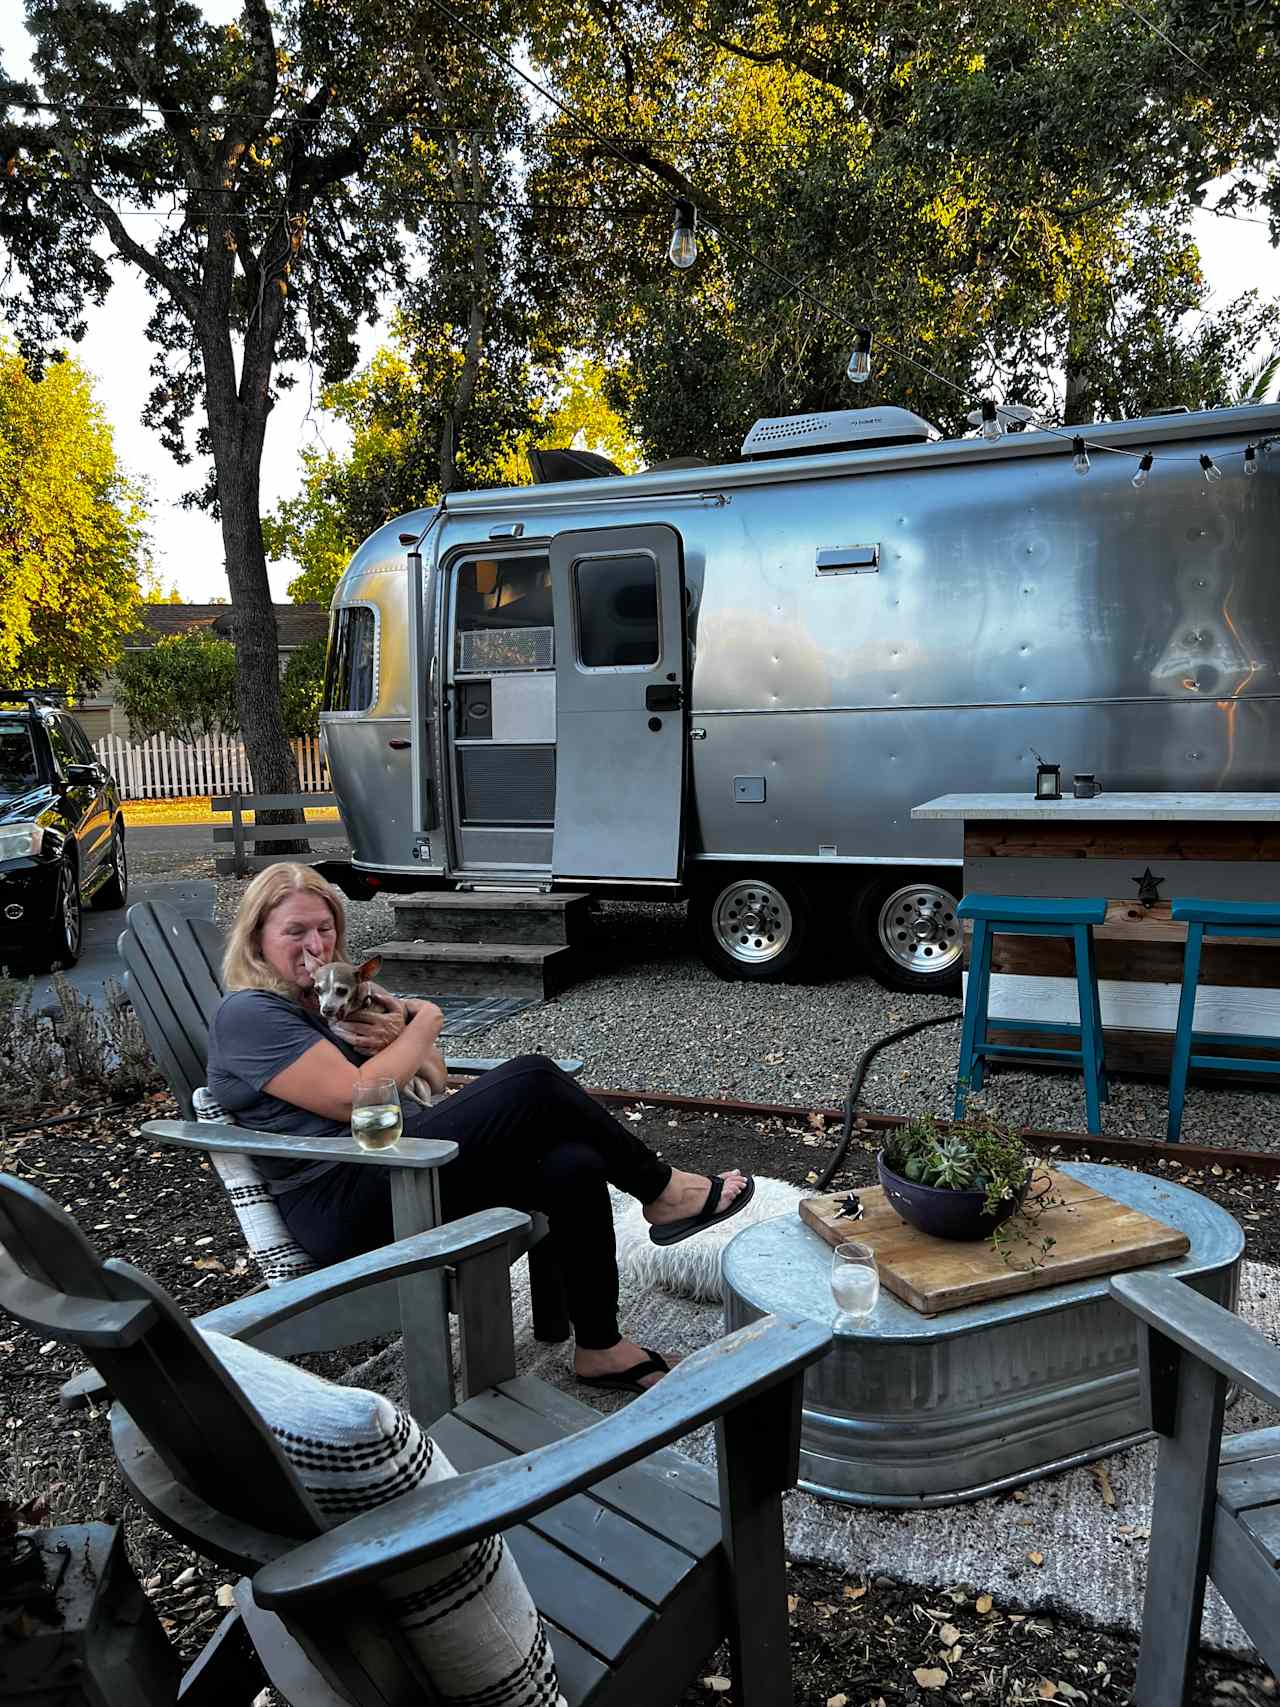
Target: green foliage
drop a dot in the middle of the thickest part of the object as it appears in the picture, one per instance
(979, 1153)
(183, 686)
(71, 540)
(301, 686)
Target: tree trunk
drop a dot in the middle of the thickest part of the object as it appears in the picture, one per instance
(237, 439)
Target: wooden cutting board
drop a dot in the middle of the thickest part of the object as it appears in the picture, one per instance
(1094, 1235)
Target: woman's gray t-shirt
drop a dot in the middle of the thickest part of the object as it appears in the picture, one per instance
(255, 1035)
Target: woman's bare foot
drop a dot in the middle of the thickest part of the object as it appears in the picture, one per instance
(686, 1194)
(615, 1361)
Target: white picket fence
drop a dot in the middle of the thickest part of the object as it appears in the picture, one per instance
(163, 769)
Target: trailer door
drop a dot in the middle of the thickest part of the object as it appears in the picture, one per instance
(618, 600)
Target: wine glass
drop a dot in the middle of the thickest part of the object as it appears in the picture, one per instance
(376, 1117)
(855, 1285)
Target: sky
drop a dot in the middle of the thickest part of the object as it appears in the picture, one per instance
(187, 545)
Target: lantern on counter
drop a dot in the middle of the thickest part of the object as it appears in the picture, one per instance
(1048, 781)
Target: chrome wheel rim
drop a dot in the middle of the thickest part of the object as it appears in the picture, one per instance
(751, 922)
(919, 931)
(69, 903)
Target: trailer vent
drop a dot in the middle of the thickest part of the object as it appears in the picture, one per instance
(839, 429)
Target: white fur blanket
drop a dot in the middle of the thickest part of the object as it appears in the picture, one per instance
(691, 1269)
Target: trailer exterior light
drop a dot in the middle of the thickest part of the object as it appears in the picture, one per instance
(859, 369)
(1048, 782)
(1211, 469)
(684, 243)
(1080, 458)
(991, 428)
(1144, 471)
(1251, 459)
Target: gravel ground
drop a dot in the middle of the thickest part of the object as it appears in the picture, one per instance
(652, 1017)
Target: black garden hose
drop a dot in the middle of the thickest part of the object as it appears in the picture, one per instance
(859, 1074)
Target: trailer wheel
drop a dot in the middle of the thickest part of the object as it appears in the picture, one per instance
(753, 928)
(907, 934)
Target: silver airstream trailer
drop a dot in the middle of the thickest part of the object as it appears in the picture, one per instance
(732, 683)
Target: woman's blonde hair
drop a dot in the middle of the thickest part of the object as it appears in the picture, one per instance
(243, 965)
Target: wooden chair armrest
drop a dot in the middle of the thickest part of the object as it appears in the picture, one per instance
(455, 1242)
(1204, 1330)
(451, 1514)
(286, 1147)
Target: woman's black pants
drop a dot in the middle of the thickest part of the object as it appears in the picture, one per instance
(528, 1138)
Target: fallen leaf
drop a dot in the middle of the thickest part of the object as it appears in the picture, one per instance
(812, 1178)
(948, 1635)
(209, 1262)
(1100, 1476)
(1036, 1558)
(1047, 1691)
(793, 1600)
(852, 1593)
(47, 1347)
(718, 1683)
(226, 1595)
(930, 1677)
(184, 1577)
(207, 1240)
(837, 1701)
(983, 1603)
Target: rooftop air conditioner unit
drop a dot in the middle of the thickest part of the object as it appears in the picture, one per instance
(838, 429)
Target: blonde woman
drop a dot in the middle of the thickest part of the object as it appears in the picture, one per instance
(528, 1137)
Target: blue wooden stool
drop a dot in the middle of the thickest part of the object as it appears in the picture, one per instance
(1018, 915)
(1259, 919)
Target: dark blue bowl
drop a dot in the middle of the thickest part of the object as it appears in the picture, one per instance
(941, 1212)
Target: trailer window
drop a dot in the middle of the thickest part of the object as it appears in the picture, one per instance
(617, 600)
(349, 667)
(503, 614)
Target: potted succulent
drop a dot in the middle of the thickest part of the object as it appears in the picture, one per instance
(962, 1180)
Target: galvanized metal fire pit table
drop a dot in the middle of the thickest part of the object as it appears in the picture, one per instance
(919, 1410)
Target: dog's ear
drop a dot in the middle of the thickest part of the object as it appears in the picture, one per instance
(312, 964)
(369, 968)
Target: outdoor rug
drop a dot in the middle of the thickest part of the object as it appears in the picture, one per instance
(1094, 1553)
(465, 1014)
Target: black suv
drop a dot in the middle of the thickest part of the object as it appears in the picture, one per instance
(61, 831)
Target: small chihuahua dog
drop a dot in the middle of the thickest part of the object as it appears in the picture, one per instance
(344, 990)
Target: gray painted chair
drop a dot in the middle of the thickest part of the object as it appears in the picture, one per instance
(1217, 1505)
(640, 1562)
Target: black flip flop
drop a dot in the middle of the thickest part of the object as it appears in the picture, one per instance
(671, 1232)
(629, 1380)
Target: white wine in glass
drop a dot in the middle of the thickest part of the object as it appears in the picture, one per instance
(376, 1117)
(855, 1284)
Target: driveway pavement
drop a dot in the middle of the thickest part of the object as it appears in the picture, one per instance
(98, 958)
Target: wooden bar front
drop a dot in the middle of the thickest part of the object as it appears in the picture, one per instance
(1216, 851)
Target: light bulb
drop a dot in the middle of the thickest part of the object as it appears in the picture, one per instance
(684, 244)
(859, 369)
(1080, 461)
(1144, 471)
(1211, 469)
(1251, 459)
(990, 420)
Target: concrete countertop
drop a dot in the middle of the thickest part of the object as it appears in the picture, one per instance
(1104, 808)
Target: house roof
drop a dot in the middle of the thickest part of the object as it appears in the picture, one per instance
(294, 623)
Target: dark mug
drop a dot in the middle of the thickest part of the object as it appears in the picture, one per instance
(1085, 786)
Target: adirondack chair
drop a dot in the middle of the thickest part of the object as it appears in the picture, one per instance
(1217, 1505)
(640, 1562)
(173, 979)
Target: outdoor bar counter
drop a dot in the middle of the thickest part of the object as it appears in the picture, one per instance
(1219, 847)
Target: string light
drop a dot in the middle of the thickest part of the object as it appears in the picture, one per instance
(1211, 469)
(1144, 470)
(859, 369)
(684, 244)
(990, 420)
(1080, 458)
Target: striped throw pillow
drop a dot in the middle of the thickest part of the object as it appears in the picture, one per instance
(277, 1253)
(467, 1617)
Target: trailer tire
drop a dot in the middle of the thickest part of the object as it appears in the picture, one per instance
(906, 934)
(752, 928)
